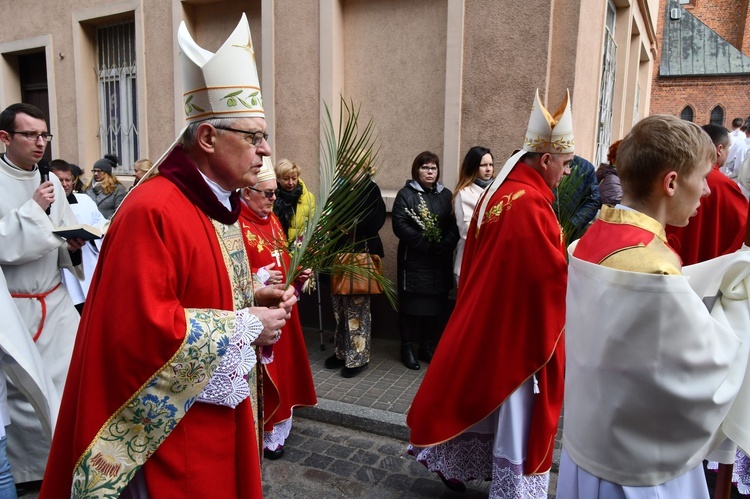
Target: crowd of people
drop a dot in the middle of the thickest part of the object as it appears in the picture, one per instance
(621, 294)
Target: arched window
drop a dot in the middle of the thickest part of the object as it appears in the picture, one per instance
(687, 113)
(717, 116)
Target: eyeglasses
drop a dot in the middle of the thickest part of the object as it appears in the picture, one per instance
(34, 136)
(96, 170)
(268, 194)
(256, 138)
(428, 168)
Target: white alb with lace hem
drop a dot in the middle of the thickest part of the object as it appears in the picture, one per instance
(228, 386)
(275, 438)
(493, 449)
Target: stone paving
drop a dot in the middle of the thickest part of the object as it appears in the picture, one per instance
(386, 384)
(327, 461)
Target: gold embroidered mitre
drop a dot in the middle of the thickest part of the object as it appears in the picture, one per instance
(266, 171)
(220, 85)
(549, 133)
(546, 133)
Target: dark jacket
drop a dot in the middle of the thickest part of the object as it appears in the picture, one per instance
(107, 203)
(610, 191)
(424, 267)
(365, 234)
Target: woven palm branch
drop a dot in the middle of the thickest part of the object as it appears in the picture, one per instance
(347, 154)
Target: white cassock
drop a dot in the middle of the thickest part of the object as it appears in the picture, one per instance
(86, 212)
(24, 366)
(654, 380)
(30, 257)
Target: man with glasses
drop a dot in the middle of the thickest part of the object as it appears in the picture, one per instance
(161, 398)
(31, 257)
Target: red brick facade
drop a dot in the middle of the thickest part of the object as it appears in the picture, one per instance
(727, 18)
(703, 94)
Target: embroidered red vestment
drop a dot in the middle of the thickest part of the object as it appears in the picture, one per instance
(287, 381)
(507, 324)
(161, 259)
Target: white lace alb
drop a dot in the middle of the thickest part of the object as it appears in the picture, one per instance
(275, 438)
(469, 456)
(228, 386)
(740, 472)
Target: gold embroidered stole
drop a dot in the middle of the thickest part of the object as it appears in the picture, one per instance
(240, 277)
(134, 432)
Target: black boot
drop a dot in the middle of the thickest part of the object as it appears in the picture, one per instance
(426, 351)
(407, 356)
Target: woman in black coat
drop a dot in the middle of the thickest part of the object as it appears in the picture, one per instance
(424, 223)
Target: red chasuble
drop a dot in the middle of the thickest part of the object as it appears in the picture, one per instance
(507, 324)
(719, 226)
(287, 381)
(160, 290)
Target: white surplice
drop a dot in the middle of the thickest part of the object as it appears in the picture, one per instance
(654, 381)
(30, 257)
(86, 212)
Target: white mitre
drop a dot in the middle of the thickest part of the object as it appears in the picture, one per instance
(545, 133)
(549, 133)
(220, 85)
(266, 171)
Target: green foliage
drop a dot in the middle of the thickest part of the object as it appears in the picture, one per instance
(570, 197)
(347, 154)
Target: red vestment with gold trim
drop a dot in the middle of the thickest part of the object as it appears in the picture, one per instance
(160, 256)
(507, 325)
(287, 381)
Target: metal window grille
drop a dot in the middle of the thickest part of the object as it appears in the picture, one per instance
(607, 90)
(118, 108)
(687, 114)
(717, 116)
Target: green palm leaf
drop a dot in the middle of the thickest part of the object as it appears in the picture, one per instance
(347, 154)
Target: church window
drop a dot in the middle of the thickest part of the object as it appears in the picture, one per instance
(717, 116)
(118, 108)
(687, 113)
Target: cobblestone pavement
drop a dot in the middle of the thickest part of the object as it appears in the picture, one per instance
(327, 461)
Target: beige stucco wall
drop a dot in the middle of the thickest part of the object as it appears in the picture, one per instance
(394, 65)
(503, 64)
(297, 35)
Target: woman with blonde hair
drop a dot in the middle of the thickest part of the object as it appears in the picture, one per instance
(140, 168)
(104, 188)
(477, 171)
(295, 203)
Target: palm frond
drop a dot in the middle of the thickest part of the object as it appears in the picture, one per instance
(347, 154)
(570, 197)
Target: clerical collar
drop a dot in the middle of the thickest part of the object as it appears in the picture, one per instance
(13, 165)
(72, 199)
(221, 194)
(182, 171)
